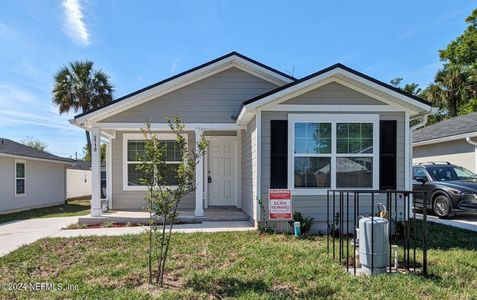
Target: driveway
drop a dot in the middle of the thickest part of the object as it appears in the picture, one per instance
(17, 233)
(464, 220)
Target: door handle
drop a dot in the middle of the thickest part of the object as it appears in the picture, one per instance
(209, 179)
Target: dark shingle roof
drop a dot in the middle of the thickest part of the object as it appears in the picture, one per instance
(454, 126)
(81, 165)
(13, 148)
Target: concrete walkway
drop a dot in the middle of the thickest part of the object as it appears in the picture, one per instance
(17, 233)
(183, 228)
(463, 220)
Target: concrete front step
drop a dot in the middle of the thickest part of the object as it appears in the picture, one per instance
(185, 217)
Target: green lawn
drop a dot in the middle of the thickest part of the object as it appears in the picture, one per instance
(72, 208)
(235, 265)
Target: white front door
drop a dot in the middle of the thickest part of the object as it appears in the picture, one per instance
(222, 171)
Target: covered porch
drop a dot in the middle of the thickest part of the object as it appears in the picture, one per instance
(218, 174)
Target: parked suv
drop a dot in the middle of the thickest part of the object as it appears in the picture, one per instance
(450, 188)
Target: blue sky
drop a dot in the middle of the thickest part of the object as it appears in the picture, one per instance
(141, 42)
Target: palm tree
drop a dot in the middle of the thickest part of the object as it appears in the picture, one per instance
(450, 88)
(79, 87)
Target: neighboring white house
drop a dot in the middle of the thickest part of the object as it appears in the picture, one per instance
(30, 178)
(453, 140)
(334, 129)
(78, 180)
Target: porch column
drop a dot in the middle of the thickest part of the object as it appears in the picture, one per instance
(96, 172)
(199, 178)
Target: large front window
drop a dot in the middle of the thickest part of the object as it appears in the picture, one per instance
(333, 151)
(135, 149)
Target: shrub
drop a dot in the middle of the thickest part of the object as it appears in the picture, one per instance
(107, 224)
(305, 222)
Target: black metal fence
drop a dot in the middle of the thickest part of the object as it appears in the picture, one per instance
(406, 234)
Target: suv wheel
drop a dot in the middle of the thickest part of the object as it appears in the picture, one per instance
(442, 207)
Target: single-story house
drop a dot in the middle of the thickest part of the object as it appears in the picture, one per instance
(30, 178)
(453, 140)
(78, 180)
(334, 129)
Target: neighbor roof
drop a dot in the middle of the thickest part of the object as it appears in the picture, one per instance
(187, 72)
(454, 126)
(10, 147)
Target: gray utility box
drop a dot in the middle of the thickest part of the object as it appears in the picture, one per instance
(378, 227)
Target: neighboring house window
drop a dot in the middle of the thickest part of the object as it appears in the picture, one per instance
(20, 178)
(333, 152)
(134, 150)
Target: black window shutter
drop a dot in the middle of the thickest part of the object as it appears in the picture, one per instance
(278, 154)
(387, 155)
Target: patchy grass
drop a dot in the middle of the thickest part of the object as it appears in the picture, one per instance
(234, 265)
(71, 208)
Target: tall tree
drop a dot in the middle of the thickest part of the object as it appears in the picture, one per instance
(411, 88)
(34, 143)
(79, 87)
(449, 88)
(463, 50)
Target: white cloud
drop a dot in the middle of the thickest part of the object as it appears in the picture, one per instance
(175, 64)
(75, 26)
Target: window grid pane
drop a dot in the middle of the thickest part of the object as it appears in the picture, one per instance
(354, 172)
(312, 172)
(312, 138)
(353, 138)
(20, 170)
(20, 186)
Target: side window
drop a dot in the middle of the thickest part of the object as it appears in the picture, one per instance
(419, 172)
(19, 178)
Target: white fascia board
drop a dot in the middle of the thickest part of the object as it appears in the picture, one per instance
(446, 139)
(26, 158)
(187, 79)
(388, 91)
(165, 126)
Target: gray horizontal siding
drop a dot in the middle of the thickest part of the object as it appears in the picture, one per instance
(135, 199)
(213, 99)
(458, 152)
(249, 164)
(44, 185)
(333, 94)
(315, 206)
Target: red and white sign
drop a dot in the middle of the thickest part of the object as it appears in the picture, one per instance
(280, 201)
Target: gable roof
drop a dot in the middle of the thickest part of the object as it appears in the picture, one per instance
(280, 75)
(460, 125)
(336, 66)
(12, 148)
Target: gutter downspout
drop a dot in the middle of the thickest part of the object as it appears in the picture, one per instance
(470, 141)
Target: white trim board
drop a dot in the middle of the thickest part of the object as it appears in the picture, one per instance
(166, 127)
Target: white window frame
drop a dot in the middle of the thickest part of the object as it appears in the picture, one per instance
(18, 161)
(139, 136)
(333, 119)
